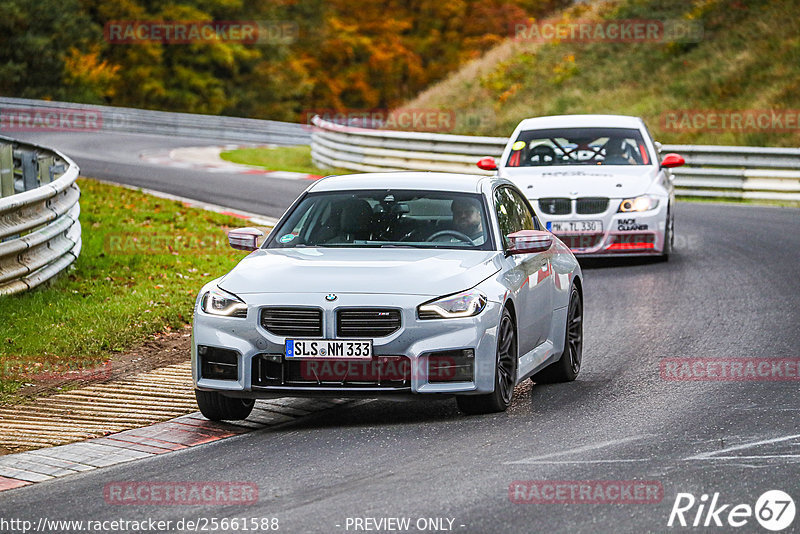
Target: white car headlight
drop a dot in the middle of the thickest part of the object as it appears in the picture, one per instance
(226, 304)
(464, 304)
(642, 203)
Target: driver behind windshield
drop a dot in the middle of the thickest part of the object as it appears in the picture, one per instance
(383, 218)
(616, 153)
(467, 219)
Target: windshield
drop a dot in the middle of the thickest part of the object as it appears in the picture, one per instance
(578, 146)
(386, 218)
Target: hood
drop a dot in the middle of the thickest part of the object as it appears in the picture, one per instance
(613, 181)
(367, 270)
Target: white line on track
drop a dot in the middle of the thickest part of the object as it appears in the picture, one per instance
(564, 462)
(761, 457)
(585, 448)
(714, 454)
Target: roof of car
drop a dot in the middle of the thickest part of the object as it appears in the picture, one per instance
(431, 181)
(577, 121)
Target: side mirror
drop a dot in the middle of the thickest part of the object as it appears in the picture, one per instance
(487, 163)
(244, 238)
(529, 241)
(672, 160)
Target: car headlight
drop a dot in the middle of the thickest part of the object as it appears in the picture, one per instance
(464, 304)
(219, 303)
(642, 203)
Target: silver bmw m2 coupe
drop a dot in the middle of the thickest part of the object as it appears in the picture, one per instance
(391, 284)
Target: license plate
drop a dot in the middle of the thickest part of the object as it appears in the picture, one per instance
(350, 349)
(563, 227)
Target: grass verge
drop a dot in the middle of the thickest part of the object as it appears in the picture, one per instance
(292, 159)
(143, 261)
(744, 58)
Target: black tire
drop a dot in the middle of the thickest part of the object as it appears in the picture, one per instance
(216, 407)
(568, 366)
(669, 237)
(505, 374)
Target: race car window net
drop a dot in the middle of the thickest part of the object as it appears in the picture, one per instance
(578, 146)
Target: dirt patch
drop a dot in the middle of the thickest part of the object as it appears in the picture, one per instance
(161, 350)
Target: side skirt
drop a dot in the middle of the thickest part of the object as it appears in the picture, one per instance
(548, 352)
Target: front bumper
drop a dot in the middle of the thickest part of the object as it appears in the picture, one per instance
(623, 234)
(415, 342)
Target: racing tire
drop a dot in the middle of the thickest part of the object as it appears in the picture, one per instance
(669, 238)
(568, 366)
(217, 407)
(505, 374)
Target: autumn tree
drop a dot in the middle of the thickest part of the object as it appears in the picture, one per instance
(344, 54)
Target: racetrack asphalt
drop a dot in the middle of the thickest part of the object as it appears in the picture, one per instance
(729, 291)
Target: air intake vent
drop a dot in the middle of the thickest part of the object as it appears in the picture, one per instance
(555, 206)
(589, 205)
(367, 322)
(218, 363)
(292, 322)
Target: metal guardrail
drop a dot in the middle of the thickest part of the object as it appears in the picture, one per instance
(712, 171)
(38, 114)
(40, 234)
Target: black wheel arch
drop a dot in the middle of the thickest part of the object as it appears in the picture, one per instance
(578, 284)
(509, 305)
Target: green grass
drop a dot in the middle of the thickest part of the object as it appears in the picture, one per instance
(293, 159)
(745, 60)
(143, 261)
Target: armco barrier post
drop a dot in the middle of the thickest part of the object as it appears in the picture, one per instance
(30, 169)
(45, 164)
(6, 170)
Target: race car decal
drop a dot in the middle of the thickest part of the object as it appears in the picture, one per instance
(630, 225)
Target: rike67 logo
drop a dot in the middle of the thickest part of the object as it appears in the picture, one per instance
(774, 510)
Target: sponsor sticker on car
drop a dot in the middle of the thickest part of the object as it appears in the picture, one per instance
(351, 349)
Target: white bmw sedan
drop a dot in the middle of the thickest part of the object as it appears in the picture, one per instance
(393, 284)
(596, 181)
